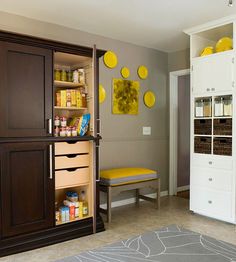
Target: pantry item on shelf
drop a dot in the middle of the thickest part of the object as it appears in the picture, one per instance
(73, 131)
(63, 121)
(56, 131)
(75, 76)
(63, 98)
(199, 108)
(67, 210)
(207, 107)
(81, 124)
(69, 76)
(72, 196)
(57, 74)
(57, 121)
(63, 131)
(207, 51)
(224, 44)
(73, 97)
(63, 214)
(58, 98)
(219, 107)
(68, 131)
(63, 75)
(71, 206)
(84, 100)
(81, 72)
(68, 98)
(57, 216)
(228, 106)
(78, 99)
(84, 203)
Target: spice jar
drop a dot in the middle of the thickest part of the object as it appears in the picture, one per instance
(63, 121)
(57, 121)
(199, 108)
(57, 74)
(75, 76)
(228, 106)
(63, 75)
(218, 108)
(56, 131)
(68, 131)
(207, 107)
(69, 76)
(62, 131)
(73, 131)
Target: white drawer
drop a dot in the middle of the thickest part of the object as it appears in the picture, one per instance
(212, 178)
(211, 203)
(66, 178)
(62, 162)
(222, 162)
(64, 148)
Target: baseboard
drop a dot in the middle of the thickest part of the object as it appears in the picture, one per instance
(131, 200)
(183, 188)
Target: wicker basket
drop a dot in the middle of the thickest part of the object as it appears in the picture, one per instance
(222, 146)
(223, 127)
(202, 145)
(202, 126)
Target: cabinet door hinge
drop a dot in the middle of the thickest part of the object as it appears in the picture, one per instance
(232, 83)
(233, 60)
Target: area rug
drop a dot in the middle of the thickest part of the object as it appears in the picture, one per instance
(169, 244)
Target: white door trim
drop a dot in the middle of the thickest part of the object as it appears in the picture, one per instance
(173, 128)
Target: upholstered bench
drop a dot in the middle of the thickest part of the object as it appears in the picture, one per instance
(114, 181)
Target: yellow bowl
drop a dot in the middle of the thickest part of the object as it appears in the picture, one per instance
(207, 51)
(224, 44)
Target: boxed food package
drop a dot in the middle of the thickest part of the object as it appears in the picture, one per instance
(73, 97)
(63, 98)
(81, 124)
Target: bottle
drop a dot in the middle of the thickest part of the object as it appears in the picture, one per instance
(85, 204)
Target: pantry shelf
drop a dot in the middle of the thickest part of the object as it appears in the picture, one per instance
(71, 221)
(70, 108)
(72, 186)
(67, 84)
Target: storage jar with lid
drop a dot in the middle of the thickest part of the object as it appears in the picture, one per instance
(207, 107)
(219, 107)
(228, 106)
(199, 108)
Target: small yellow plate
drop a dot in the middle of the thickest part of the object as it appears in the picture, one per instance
(102, 94)
(207, 51)
(125, 72)
(142, 72)
(149, 99)
(110, 59)
(224, 44)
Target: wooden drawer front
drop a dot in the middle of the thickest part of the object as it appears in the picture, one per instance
(62, 162)
(223, 162)
(65, 178)
(212, 178)
(64, 148)
(211, 203)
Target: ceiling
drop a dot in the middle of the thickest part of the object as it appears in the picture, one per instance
(151, 23)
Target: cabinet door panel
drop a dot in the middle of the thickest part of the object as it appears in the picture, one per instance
(213, 73)
(27, 190)
(26, 90)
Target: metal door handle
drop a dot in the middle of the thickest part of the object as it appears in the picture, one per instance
(50, 126)
(50, 162)
(209, 201)
(99, 126)
(208, 89)
(213, 89)
(210, 162)
(210, 179)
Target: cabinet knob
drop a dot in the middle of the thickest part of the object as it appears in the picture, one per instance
(209, 202)
(210, 162)
(213, 89)
(208, 89)
(210, 179)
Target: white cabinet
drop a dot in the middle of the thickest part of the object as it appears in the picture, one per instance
(213, 73)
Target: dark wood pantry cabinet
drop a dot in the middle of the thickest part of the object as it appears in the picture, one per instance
(40, 162)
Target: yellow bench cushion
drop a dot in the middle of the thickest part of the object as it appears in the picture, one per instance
(120, 176)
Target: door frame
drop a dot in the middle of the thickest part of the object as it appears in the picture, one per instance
(173, 128)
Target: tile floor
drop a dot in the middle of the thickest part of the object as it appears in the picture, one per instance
(129, 221)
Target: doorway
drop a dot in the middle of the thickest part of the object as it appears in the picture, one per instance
(179, 145)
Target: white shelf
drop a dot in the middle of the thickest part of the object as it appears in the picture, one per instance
(202, 135)
(70, 108)
(203, 118)
(67, 84)
(222, 136)
(213, 55)
(222, 117)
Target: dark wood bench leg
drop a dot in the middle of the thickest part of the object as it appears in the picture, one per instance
(158, 200)
(109, 204)
(137, 197)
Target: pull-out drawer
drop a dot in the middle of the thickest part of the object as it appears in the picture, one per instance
(65, 148)
(66, 178)
(222, 162)
(212, 203)
(212, 178)
(62, 162)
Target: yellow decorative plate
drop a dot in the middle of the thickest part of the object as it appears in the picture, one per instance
(149, 99)
(125, 72)
(224, 44)
(142, 72)
(207, 51)
(102, 94)
(110, 59)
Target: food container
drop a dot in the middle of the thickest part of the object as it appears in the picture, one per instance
(75, 76)
(57, 74)
(58, 98)
(57, 121)
(207, 108)
(69, 76)
(68, 98)
(62, 131)
(73, 131)
(56, 131)
(63, 122)
(81, 75)
(68, 131)
(219, 107)
(67, 213)
(63, 214)
(199, 108)
(63, 75)
(72, 196)
(57, 216)
(228, 106)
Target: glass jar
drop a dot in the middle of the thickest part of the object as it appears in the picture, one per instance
(207, 107)
(57, 74)
(219, 107)
(228, 106)
(63, 75)
(199, 108)
(69, 76)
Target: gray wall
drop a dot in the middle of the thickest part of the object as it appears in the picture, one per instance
(123, 143)
(179, 60)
